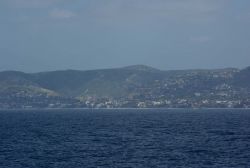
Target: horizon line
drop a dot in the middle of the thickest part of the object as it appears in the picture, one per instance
(127, 66)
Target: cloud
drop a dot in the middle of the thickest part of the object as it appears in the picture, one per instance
(61, 14)
(130, 10)
(125, 12)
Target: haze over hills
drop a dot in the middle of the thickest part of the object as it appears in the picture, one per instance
(132, 86)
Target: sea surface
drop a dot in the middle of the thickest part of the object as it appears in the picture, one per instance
(124, 138)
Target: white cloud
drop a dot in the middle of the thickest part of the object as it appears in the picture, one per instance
(61, 14)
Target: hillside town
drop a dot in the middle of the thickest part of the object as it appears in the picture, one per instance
(222, 96)
(137, 88)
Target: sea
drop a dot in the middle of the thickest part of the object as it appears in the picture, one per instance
(125, 138)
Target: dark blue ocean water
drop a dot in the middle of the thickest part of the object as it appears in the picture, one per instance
(124, 138)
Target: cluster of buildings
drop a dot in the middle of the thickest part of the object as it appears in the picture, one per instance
(168, 103)
(189, 90)
(198, 100)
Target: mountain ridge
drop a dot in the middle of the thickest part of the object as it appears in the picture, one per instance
(136, 83)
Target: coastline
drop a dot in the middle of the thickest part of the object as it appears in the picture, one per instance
(106, 109)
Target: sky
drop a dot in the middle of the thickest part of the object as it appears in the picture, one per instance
(46, 35)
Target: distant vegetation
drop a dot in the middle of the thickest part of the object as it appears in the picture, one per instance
(133, 86)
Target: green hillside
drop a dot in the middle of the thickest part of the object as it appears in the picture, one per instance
(131, 84)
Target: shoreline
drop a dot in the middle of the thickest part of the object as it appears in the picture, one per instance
(45, 109)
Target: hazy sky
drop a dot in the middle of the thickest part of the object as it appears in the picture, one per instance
(39, 35)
